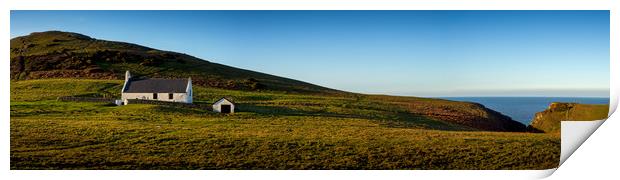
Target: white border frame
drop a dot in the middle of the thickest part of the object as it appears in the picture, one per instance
(608, 135)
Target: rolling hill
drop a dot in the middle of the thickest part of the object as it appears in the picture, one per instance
(279, 123)
(56, 54)
(270, 130)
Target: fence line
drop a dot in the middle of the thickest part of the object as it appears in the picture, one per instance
(85, 99)
(168, 103)
(135, 101)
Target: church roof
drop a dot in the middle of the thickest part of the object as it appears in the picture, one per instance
(156, 86)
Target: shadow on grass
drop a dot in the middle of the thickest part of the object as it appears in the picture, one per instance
(394, 119)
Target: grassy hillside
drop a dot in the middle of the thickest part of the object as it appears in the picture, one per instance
(273, 130)
(281, 123)
(435, 113)
(56, 54)
(550, 119)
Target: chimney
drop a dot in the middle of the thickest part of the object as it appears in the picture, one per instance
(127, 76)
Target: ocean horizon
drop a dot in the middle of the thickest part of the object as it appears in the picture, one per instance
(523, 109)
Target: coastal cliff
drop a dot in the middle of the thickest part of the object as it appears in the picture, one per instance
(548, 121)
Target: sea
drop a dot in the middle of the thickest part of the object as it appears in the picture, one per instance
(523, 109)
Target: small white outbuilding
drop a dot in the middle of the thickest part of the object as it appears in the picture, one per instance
(224, 105)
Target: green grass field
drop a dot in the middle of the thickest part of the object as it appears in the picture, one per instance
(550, 120)
(588, 112)
(273, 130)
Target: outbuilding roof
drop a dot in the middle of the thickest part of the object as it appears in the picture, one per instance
(157, 86)
(224, 98)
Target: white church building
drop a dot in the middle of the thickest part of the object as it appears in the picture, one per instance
(172, 90)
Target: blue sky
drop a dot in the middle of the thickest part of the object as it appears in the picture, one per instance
(416, 53)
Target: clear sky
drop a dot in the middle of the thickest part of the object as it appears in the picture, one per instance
(417, 53)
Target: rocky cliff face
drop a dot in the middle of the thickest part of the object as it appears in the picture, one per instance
(549, 120)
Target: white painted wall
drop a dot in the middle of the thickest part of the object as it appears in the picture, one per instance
(190, 92)
(176, 97)
(217, 105)
(186, 97)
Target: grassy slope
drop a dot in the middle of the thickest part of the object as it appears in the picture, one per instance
(549, 120)
(56, 54)
(433, 113)
(273, 131)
